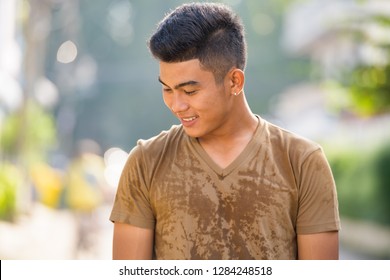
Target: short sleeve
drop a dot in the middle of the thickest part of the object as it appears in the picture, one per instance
(132, 202)
(318, 204)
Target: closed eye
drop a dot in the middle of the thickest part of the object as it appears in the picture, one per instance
(190, 92)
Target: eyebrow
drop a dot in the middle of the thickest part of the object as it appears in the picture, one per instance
(188, 83)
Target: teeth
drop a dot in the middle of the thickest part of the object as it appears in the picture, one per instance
(189, 119)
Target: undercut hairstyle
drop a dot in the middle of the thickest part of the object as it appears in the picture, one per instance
(210, 32)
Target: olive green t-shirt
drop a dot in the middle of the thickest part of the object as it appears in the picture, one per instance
(279, 186)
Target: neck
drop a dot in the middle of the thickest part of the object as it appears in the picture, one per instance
(224, 148)
(237, 130)
(226, 143)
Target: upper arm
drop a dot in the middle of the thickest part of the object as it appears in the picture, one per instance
(132, 242)
(318, 246)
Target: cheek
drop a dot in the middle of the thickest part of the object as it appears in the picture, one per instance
(217, 101)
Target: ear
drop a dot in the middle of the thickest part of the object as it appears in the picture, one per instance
(237, 81)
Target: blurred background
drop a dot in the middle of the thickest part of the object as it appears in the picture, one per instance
(78, 88)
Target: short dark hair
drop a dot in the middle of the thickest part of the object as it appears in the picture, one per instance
(210, 32)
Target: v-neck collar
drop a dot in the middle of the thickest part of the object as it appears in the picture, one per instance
(224, 172)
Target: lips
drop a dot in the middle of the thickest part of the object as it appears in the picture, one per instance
(188, 121)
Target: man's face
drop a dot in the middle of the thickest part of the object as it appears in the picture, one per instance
(194, 97)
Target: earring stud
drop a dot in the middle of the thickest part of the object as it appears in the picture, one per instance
(237, 93)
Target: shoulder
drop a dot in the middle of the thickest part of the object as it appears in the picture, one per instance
(174, 133)
(159, 144)
(288, 145)
(149, 152)
(288, 141)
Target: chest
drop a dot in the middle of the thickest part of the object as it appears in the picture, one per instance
(189, 187)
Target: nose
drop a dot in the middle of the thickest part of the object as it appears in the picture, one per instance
(178, 104)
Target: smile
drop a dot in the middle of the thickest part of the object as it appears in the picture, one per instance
(189, 119)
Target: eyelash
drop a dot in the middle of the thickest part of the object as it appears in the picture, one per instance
(192, 92)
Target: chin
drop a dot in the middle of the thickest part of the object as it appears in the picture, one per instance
(192, 133)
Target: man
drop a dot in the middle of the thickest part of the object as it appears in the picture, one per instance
(225, 184)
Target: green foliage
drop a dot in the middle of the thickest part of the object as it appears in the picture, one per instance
(369, 89)
(381, 167)
(25, 137)
(9, 181)
(363, 184)
(30, 130)
(367, 84)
